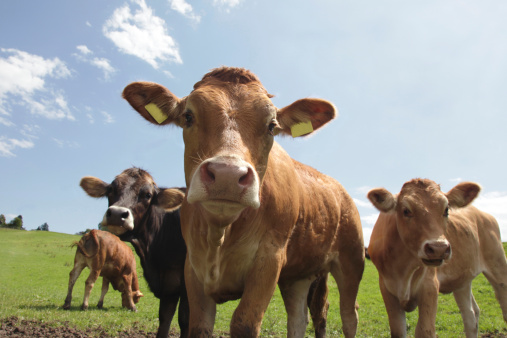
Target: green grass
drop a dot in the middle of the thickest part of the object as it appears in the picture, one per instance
(34, 277)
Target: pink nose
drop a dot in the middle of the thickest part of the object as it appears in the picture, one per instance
(223, 174)
(437, 250)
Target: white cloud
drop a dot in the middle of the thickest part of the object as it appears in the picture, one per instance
(363, 204)
(142, 34)
(101, 63)
(7, 145)
(108, 118)
(184, 8)
(23, 82)
(228, 4)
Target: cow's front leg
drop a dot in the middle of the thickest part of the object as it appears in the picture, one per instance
(166, 312)
(202, 307)
(127, 298)
(395, 313)
(469, 309)
(295, 299)
(260, 285)
(428, 303)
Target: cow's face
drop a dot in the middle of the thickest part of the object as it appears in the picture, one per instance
(229, 124)
(129, 196)
(422, 213)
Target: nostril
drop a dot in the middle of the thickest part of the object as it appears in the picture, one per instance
(429, 250)
(125, 215)
(207, 174)
(246, 179)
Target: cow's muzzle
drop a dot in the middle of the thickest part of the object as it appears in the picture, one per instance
(118, 220)
(435, 252)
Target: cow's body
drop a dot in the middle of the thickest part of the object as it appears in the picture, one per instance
(253, 217)
(412, 271)
(107, 256)
(136, 214)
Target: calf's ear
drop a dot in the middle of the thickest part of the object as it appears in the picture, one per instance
(93, 186)
(463, 194)
(170, 199)
(382, 199)
(304, 116)
(154, 102)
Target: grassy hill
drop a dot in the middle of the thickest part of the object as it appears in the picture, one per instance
(34, 274)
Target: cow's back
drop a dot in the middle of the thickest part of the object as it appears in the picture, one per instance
(475, 239)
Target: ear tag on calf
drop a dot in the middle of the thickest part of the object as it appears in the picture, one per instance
(155, 111)
(301, 129)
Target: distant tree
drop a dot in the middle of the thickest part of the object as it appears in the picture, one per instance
(16, 223)
(2, 220)
(81, 233)
(43, 227)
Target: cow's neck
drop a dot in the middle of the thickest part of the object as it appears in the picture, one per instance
(143, 238)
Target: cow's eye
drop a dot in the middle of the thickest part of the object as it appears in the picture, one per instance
(407, 212)
(446, 212)
(189, 118)
(273, 128)
(148, 195)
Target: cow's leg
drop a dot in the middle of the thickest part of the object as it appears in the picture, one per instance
(202, 307)
(318, 304)
(105, 287)
(496, 273)
(73, 276)
(348, 274)
(295, 300)
(428, 303)
(260, 285)
(127, 298)
(183, 313)
(469, 310)
(90, 281)
(395, 312)
(166, 312)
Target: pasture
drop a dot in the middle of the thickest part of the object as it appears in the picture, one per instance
(34, 277)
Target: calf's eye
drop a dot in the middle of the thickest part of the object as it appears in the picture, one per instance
(446, 212)
(273, 128)
(407, 212)
(189, 118)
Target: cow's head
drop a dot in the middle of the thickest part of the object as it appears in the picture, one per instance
(422, 212)
(130, 196)
(229, 124)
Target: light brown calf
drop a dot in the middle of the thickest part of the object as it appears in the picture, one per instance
(425, 242)
(107, 256)
(253, 217)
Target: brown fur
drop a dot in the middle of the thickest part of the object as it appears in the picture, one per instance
(408, 221)
(303, 225)
(107, 256)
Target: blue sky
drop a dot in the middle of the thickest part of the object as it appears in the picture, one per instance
(420, 88)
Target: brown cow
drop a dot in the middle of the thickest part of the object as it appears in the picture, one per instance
(253, 217)
(425, 242)
(107, 256)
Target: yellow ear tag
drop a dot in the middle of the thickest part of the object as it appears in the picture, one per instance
(301, 129)
(155, 111)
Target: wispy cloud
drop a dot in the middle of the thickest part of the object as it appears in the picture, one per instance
(184, 8)
(7, 145)
(85, 55)
(108, 118)
(23, 81)
(495, 203)
(227, 4)
(142, 34)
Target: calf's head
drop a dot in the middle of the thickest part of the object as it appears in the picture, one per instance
(422, 212)
(130, 196)
(229, 124)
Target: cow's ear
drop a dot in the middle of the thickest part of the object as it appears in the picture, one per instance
(93, 186)
(170, 199)
(382, 199)
(304, 116)
(153, 102)
(463, 194)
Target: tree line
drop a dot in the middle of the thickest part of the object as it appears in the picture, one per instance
(17, 223)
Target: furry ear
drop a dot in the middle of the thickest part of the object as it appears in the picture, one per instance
(170, 199)
(382, 199)
(93, 186)
(154, 102)
(463, 194)
(314, 112)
